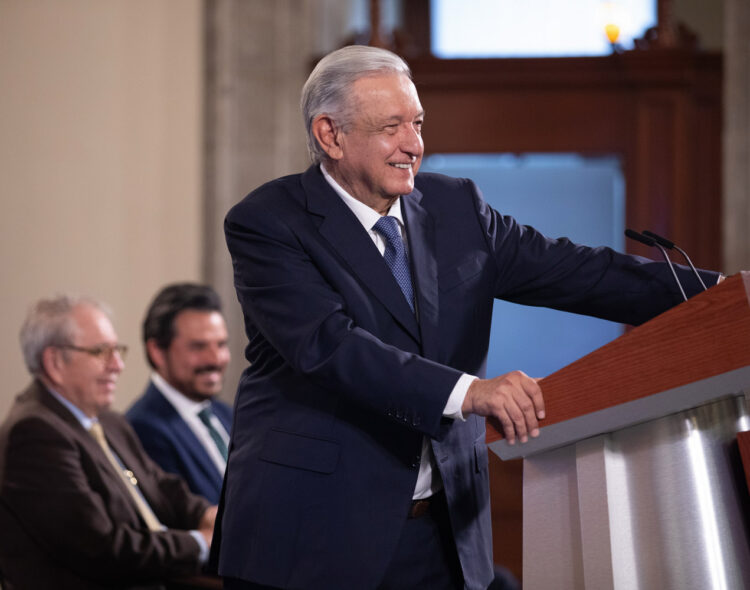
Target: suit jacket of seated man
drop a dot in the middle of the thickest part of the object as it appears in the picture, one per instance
(170, 442)
(67, 520)
(344, 380)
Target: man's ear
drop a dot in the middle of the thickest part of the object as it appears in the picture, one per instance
(328, 135)
(155, 353)
(53, 363)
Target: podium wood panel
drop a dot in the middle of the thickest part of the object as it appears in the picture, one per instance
(704, 337)
(743, 442)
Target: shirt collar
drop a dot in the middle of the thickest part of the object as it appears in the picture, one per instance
(85, 421)
(366, 215)
(184, 405)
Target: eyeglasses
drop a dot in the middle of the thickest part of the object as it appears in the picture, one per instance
(103, 352)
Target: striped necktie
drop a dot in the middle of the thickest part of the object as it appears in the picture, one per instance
(128, 479)
(205, 416)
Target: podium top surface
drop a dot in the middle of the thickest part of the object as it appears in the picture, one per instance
(651, 371)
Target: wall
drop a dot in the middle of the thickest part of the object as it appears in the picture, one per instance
(255, 70)
(706, 19)
(737, 137)
(100, 160)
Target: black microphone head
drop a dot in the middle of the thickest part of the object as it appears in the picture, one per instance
(649, 241)
(634, 235)
(658, 239)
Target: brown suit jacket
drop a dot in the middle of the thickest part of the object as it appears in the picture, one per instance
(66, 519)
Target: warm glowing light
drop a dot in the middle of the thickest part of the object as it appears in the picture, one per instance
(612, 17)
(612, 31)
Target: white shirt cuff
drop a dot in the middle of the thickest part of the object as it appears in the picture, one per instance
(203, 555)
(457, 396)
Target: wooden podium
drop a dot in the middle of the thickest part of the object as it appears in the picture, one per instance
(636, 480)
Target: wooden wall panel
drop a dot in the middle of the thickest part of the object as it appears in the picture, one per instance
(660, 111)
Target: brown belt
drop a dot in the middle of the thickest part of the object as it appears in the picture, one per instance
(420, 507)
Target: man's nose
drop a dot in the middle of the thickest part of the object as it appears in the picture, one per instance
(116, 362)
(217, 355)
(411, 140)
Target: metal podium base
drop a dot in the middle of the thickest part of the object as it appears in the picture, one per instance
(656, 506)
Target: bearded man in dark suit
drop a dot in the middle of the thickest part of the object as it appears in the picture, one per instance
(182, 424)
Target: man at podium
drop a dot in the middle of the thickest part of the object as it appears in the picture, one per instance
(358, 454)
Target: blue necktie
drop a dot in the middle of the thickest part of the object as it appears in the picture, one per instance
(395, 255)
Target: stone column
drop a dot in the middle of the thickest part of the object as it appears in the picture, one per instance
(257, 56)
(736, 157)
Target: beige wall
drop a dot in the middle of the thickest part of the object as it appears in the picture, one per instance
(705, 18)
(100, 160)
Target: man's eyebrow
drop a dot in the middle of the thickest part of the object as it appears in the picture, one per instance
(399, 118)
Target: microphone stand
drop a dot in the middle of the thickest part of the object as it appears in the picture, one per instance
(634, 235)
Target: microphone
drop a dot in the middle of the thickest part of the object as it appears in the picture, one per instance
(669, 245)
(634, 235)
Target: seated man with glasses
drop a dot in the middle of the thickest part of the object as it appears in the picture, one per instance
(81, 504)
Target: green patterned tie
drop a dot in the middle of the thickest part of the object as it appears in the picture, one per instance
(205, 416)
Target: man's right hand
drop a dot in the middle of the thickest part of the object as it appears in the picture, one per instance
(514, 400)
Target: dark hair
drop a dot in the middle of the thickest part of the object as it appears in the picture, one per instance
(168, 303)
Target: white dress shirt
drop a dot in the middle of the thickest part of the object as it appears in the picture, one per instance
(428, 479)
(188, 411)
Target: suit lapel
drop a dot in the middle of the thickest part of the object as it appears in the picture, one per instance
(45, 398)
(345, 233)
(420, 229)
(95, 451)
(88, 441)
(182, 432)
(190, 441)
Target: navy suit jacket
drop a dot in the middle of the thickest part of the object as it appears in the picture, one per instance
(344, 381)
(172, 444)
